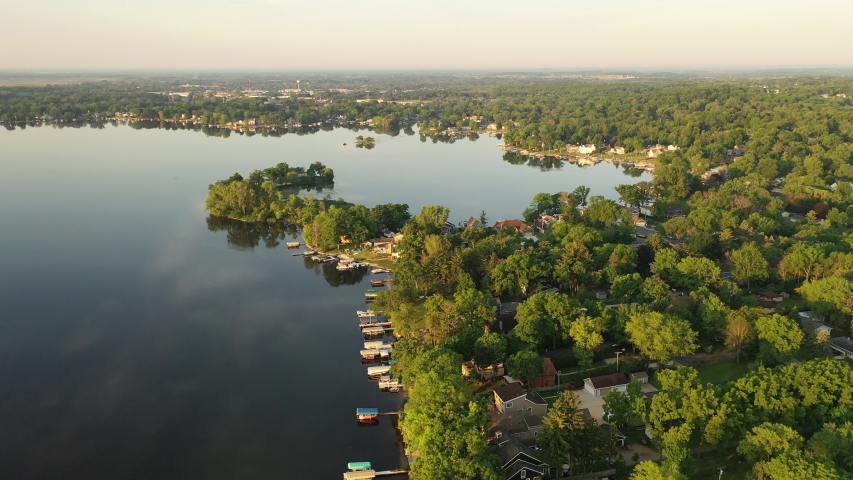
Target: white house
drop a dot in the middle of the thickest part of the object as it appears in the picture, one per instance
(586, 149)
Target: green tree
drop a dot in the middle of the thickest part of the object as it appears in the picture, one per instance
(749, 264)
(586, 332)
(661, 337)
(490, 349)
(524, 365)
(783, 335)
(520, 272)
(768, 440)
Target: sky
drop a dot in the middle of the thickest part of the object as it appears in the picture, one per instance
(439, 34)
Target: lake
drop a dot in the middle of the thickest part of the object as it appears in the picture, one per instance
(141, 339)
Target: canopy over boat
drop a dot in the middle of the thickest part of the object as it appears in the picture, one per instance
(364, 411)
(360, 475)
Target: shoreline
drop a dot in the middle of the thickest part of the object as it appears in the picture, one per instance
(582, 160)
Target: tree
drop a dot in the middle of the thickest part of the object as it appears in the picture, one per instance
(620, 408)
(796, 466)
(693, 273)
(490, 349)
(586, 332)
(661, 337)
(524, 365)
(738, 330)
(519, 272)
(829, 295)
(543, 315)
(768, 440)
(783, 335)
(564, 431)
(749, 264)
(835, 442)
(653, 471)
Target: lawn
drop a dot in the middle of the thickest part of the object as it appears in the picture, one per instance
(707, 467)
(722, 371)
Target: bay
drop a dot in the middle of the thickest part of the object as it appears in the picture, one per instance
(138, 340)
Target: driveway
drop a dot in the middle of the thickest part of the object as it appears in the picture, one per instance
(596, 404)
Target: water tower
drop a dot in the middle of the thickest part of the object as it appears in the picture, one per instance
(297, 85)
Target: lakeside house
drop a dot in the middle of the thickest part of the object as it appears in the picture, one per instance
(766, 305)
(604, 384)
(617, 151)
(587, 149)
(448, 228)
(518, 227)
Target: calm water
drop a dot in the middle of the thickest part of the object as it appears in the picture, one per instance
(140, 340)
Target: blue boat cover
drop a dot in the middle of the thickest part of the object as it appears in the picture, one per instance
(367, 411)
(359, 465)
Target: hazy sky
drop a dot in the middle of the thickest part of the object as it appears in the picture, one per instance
(344, 34)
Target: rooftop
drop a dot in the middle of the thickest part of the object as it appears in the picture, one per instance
(510, 392)
(612, 380)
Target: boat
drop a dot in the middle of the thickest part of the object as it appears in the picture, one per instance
(345, 144)
(344, 265)
(370, 294)
(366, 313)
(373, 354)
(380, 270)
(364, 415)
(377, 283)
(388, 383)
(293, 244)
(378, 370)
(373, 331)
(378, 344)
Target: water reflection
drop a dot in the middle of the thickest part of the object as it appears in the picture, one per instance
(335, 277)
(247, 236)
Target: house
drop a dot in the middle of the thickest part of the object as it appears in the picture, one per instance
(641, 377)
(617, 151)
(513, 399)
(813, 321)
(489, 372)
(492, 126)
(517, 225)
(770, 296)
(601, 295)
(548, 377)
(381, 245)
(586, 149)
(504, 323)
(474, 223)
(600, 386)
(767, 306)
(448, 228)
(638, 222)
(844, 346)
(572, 148)
(523, 426)
(648, 209)
(794, 217)
(518, 461)
(545, 221)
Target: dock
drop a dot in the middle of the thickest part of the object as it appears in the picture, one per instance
(378, 344)
(377, 324)
(368, 474)
(378, 370)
